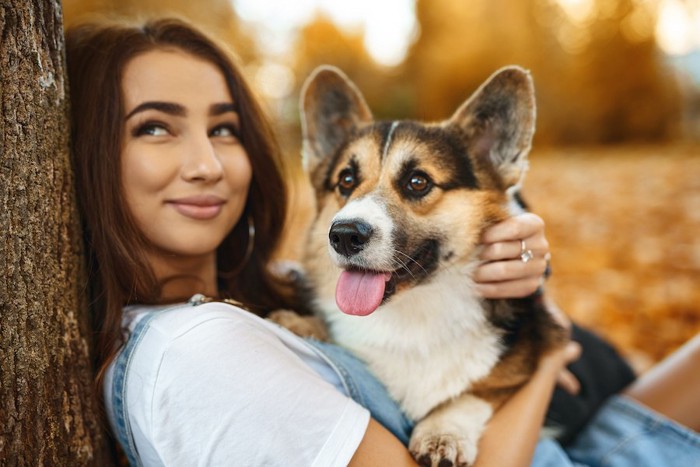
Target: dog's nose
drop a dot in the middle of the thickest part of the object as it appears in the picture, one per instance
(349, 237)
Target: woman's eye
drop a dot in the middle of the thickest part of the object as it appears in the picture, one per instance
(151, 129)
(419, 184)
(346, 181)
(225, 131)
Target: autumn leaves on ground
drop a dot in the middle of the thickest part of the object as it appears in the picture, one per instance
(623, 225)
(624, 228)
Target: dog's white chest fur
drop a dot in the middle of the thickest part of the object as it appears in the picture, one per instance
(428, 344)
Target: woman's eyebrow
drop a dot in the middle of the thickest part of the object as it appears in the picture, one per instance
(222, 108)
(166, 107)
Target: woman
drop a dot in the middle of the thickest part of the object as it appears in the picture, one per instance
(175, 165)
(183, 197)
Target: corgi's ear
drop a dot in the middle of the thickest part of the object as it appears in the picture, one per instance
(498, 122)
(331, 109)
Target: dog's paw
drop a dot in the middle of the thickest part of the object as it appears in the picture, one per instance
(443, 450)
(303, 326)
(449, 435)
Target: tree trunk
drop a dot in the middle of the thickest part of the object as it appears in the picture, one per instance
(48, 409)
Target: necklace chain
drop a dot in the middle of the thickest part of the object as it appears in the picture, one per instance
(199, 299)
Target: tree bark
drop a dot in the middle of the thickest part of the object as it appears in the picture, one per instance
(48, 409)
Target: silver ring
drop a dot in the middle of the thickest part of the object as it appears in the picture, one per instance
(525, 253)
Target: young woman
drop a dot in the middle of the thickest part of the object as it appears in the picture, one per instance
(183, 198)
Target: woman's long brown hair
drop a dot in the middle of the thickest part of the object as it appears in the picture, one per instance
(119, 273)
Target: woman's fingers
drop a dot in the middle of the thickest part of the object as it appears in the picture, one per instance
(509, 278)
(521, 226)
(566, 379)
(512, 249)
(514, 258)
(514, 236)
(557, 359)
(509, 289)
(568, 382)
(509, 270)
(572, 350)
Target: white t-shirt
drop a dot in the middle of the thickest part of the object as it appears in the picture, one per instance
(215, 385)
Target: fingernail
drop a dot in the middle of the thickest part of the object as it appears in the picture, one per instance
(573, 349)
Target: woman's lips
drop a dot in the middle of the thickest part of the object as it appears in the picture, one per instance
(200, 207)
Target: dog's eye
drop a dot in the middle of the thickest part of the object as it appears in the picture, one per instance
(419, 184)
(346, 181)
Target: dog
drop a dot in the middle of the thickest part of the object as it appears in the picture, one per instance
(400, 208)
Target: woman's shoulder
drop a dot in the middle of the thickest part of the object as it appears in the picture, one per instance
(179, 319)
(226, 372)
(179, 347)
(198, 333)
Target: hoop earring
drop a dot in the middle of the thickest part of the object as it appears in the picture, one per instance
(248, 251)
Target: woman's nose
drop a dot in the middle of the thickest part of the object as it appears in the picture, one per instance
(201, 161)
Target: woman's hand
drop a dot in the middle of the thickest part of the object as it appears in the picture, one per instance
(503, 273)
(555, 361)
(566, 379)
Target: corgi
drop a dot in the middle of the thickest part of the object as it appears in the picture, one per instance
(400, 208)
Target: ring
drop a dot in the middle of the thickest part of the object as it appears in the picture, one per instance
(525, 254)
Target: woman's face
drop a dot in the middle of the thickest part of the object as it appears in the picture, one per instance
(185, 173)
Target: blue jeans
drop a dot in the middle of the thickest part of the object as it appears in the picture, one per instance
(624, 433)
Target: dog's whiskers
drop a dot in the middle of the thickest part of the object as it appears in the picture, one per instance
(397, 263)
(410, 259)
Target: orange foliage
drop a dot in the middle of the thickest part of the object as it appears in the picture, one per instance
(321, 42)
(623, 225)
(599, 81)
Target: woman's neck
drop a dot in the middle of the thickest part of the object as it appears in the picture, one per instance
(183, 276)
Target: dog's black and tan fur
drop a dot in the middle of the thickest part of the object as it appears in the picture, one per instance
(410, 200)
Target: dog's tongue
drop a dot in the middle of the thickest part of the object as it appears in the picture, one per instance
(360, 292)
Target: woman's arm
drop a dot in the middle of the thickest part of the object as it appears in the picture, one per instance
(511, 435)
(380, 447)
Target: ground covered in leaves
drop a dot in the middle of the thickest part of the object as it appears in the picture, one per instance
(624, 228)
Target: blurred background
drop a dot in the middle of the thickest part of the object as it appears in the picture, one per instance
(615, 167)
